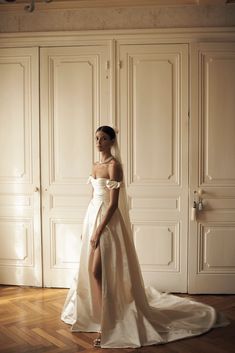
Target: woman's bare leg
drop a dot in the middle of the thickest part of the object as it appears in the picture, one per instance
(97, 273)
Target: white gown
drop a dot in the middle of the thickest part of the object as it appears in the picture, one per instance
(130, 315)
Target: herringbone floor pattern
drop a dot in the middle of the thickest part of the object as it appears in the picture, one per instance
(30, 323)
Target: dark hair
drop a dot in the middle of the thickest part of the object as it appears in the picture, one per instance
(107, 130)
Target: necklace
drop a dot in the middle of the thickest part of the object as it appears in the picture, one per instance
(106, 160)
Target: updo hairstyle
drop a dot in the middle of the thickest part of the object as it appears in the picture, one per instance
(107, 130)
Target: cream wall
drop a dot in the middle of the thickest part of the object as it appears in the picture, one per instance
(117, 18)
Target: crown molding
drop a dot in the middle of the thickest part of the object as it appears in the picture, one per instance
(40, 5)
(101, 37)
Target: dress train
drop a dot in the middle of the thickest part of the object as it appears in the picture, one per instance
(131, 315)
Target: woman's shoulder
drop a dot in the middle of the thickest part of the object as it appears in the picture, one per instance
(115, 164)
(115, 170)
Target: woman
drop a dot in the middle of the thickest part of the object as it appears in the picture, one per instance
(108, 294)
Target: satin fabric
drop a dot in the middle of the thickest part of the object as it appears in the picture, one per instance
(131, 315)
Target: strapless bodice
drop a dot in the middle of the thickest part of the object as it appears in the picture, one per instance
(101, 187)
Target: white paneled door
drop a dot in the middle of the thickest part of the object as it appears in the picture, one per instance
(212, 174)
(75, 100)
(44, 195)
(20, 224)
(153, 110)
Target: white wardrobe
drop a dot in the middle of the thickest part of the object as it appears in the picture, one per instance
(172, 98)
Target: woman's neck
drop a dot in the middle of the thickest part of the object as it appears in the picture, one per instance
(104, 156)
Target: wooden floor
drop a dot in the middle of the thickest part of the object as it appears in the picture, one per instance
(30, 323)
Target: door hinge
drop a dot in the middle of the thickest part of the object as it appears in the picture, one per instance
(119, 64)
(107, 65)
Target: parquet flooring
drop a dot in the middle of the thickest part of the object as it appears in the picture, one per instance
(30, 323)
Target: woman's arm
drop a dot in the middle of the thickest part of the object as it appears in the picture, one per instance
(115, 173)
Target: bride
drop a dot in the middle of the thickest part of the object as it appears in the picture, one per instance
(107, 295)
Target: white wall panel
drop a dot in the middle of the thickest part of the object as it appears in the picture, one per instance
(15, 106)
(16, 239)
(218, 124)
(75, 105)
(153, 110)
(65, 243)
(216, 249)
(75, 92)
(153, 117)
(212, 236)
(166, 203)
(20, 228)
(157, 246)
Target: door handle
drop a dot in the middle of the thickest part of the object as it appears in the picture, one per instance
(36, 189)
(199, 201)
(194, 211)
(197, 204)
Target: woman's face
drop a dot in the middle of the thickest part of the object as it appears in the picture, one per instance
(103, 141)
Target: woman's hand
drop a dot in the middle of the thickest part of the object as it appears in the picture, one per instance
(95, 239)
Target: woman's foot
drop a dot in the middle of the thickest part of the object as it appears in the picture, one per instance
(97, 341)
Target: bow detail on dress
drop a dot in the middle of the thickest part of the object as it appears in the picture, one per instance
(113, 184)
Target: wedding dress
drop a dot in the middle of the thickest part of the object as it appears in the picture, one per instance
(130, 315)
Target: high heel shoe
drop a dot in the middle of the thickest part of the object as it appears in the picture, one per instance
(97, 341)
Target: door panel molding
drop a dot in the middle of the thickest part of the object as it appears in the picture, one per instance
(143, 71)
(157, 245)
(217, 77)
(215, 252)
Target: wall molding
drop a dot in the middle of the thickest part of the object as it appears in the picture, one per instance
(40, 5)
(100, 37)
